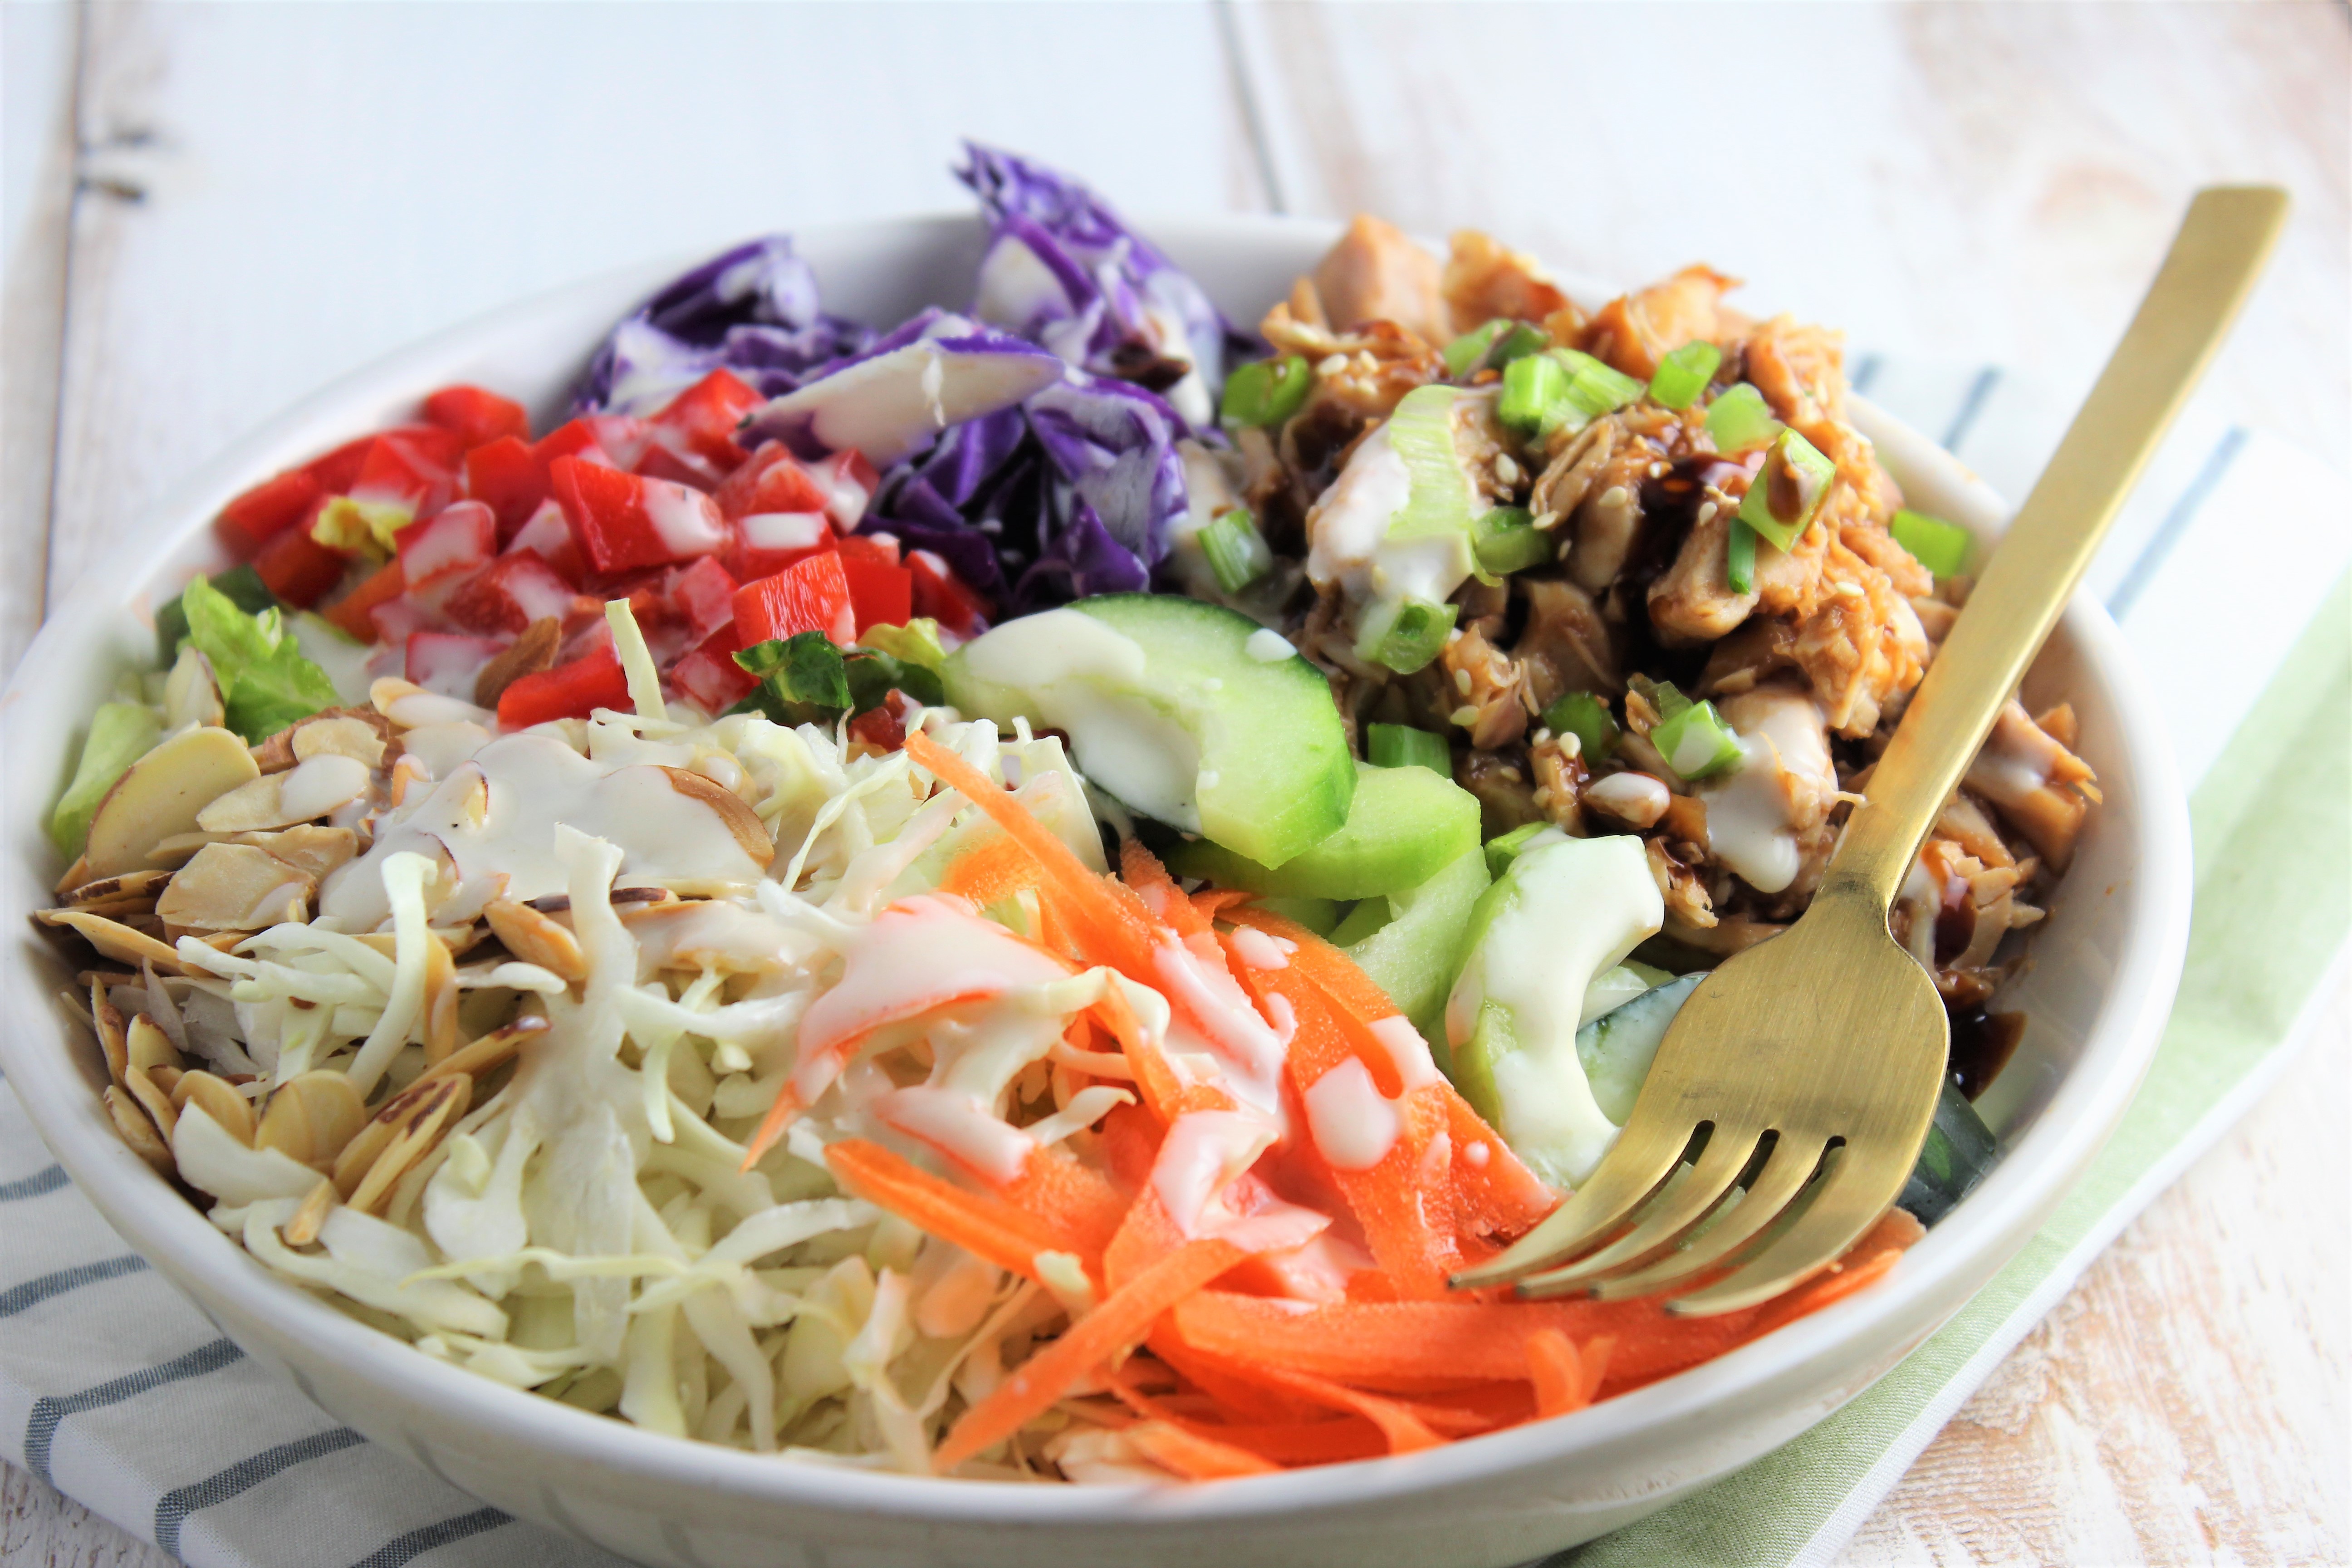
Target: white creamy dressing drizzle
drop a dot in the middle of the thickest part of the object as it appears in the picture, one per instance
(784, 529)
(1266, 645)
(1088, 680)
(1354, 1126)
(1348, 530)
(1570, 910)
(495, 815)
(1260, 951)
(1783, 785)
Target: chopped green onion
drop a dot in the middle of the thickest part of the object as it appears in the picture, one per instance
(1403, 746)
(1506, 848)
(1663, 696)
(1739, 558)
(1696, 742)
(1533, 388)
(1739, 419)
(1941, 547)
(1268, 391)
(1787, 492)
(1593, 389)
(1684, 375)
(1508, 539)
(1587, 717)
(1492, 347)
(1521, 340)
(1235, 551)
(1412, 635)
(1468, 351)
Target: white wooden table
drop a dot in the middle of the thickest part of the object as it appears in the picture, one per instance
(210, 209)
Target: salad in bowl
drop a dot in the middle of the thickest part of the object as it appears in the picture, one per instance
(1012, 896)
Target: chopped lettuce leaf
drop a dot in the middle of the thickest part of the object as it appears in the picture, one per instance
(120, 734)
(265, 683)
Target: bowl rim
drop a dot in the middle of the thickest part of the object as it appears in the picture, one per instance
(2000, 1215)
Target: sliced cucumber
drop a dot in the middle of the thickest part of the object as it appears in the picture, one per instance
(1613, 988)
(1960, 1149)
(1189, 713)
(1561, 914)
(1415, 955)
(1617, 1048)
(1403, 826)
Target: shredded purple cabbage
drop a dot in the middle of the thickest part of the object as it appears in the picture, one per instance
(752, 309)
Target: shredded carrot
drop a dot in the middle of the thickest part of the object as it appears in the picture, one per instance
(1401, 1425)
(992, 871)
(982, 1225)
(1071, 1200)
(1123, 1317)
(1141, 870)
(1193, 1454)
(771, 1126)
(1107, 919)
(1556, 1372)
(1147, 1235)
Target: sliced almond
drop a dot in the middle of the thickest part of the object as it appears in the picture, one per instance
(163, 793)
(76, 874)
(235, 887)
(181, 848)
(409, 706)
(113, 1036)
(303, 1229)
(116, 941)
(257, 806)
(321, 784)
(534, 938)
(313, 1118)
(191, 694)
(478, 1056)
(108, 891)
(440, 1002)
(329, 730)
(357, 733)
(741, 819)
(154, 1100)
(408, 773)
(312, 850)
(221, 1101)
(146, 1047)
(138, 1130)
(370, 1140)
(527, 655)
(440, 1104)
(167, 1079)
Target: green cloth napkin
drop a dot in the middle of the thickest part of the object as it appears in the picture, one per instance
(2273, 841)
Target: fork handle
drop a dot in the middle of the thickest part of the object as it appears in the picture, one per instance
(2206, 277)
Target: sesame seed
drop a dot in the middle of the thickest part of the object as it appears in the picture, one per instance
(1464, 716)
(1331, 364)
(1462, 681)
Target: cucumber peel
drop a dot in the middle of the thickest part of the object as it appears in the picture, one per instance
(1403, 826)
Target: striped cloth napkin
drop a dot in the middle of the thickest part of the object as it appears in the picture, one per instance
(115, 1389)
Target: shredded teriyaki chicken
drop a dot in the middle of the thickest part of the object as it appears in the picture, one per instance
(1808, 661)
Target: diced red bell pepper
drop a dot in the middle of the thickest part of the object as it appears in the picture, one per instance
(811, 596)
(548, 537)
(448, 662)
(570, 690)
(510, 478)
(849, 482)
(703, 596)
(414, 467)
(509, 593)
(679, 467)
(460, 538)
(876, 547)
(298, 569)
(476, 417)
(765, 542)
(355, 611)
(702, 420)
(266, 511)
(614, 438)
(708, 677)
(335, 470)
(624, 521)
(882, 592)
(945, 598)
(771, 481)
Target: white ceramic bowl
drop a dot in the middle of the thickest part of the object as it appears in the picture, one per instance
(2105, 968)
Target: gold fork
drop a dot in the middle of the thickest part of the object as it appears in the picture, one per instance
(1800, 1079)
